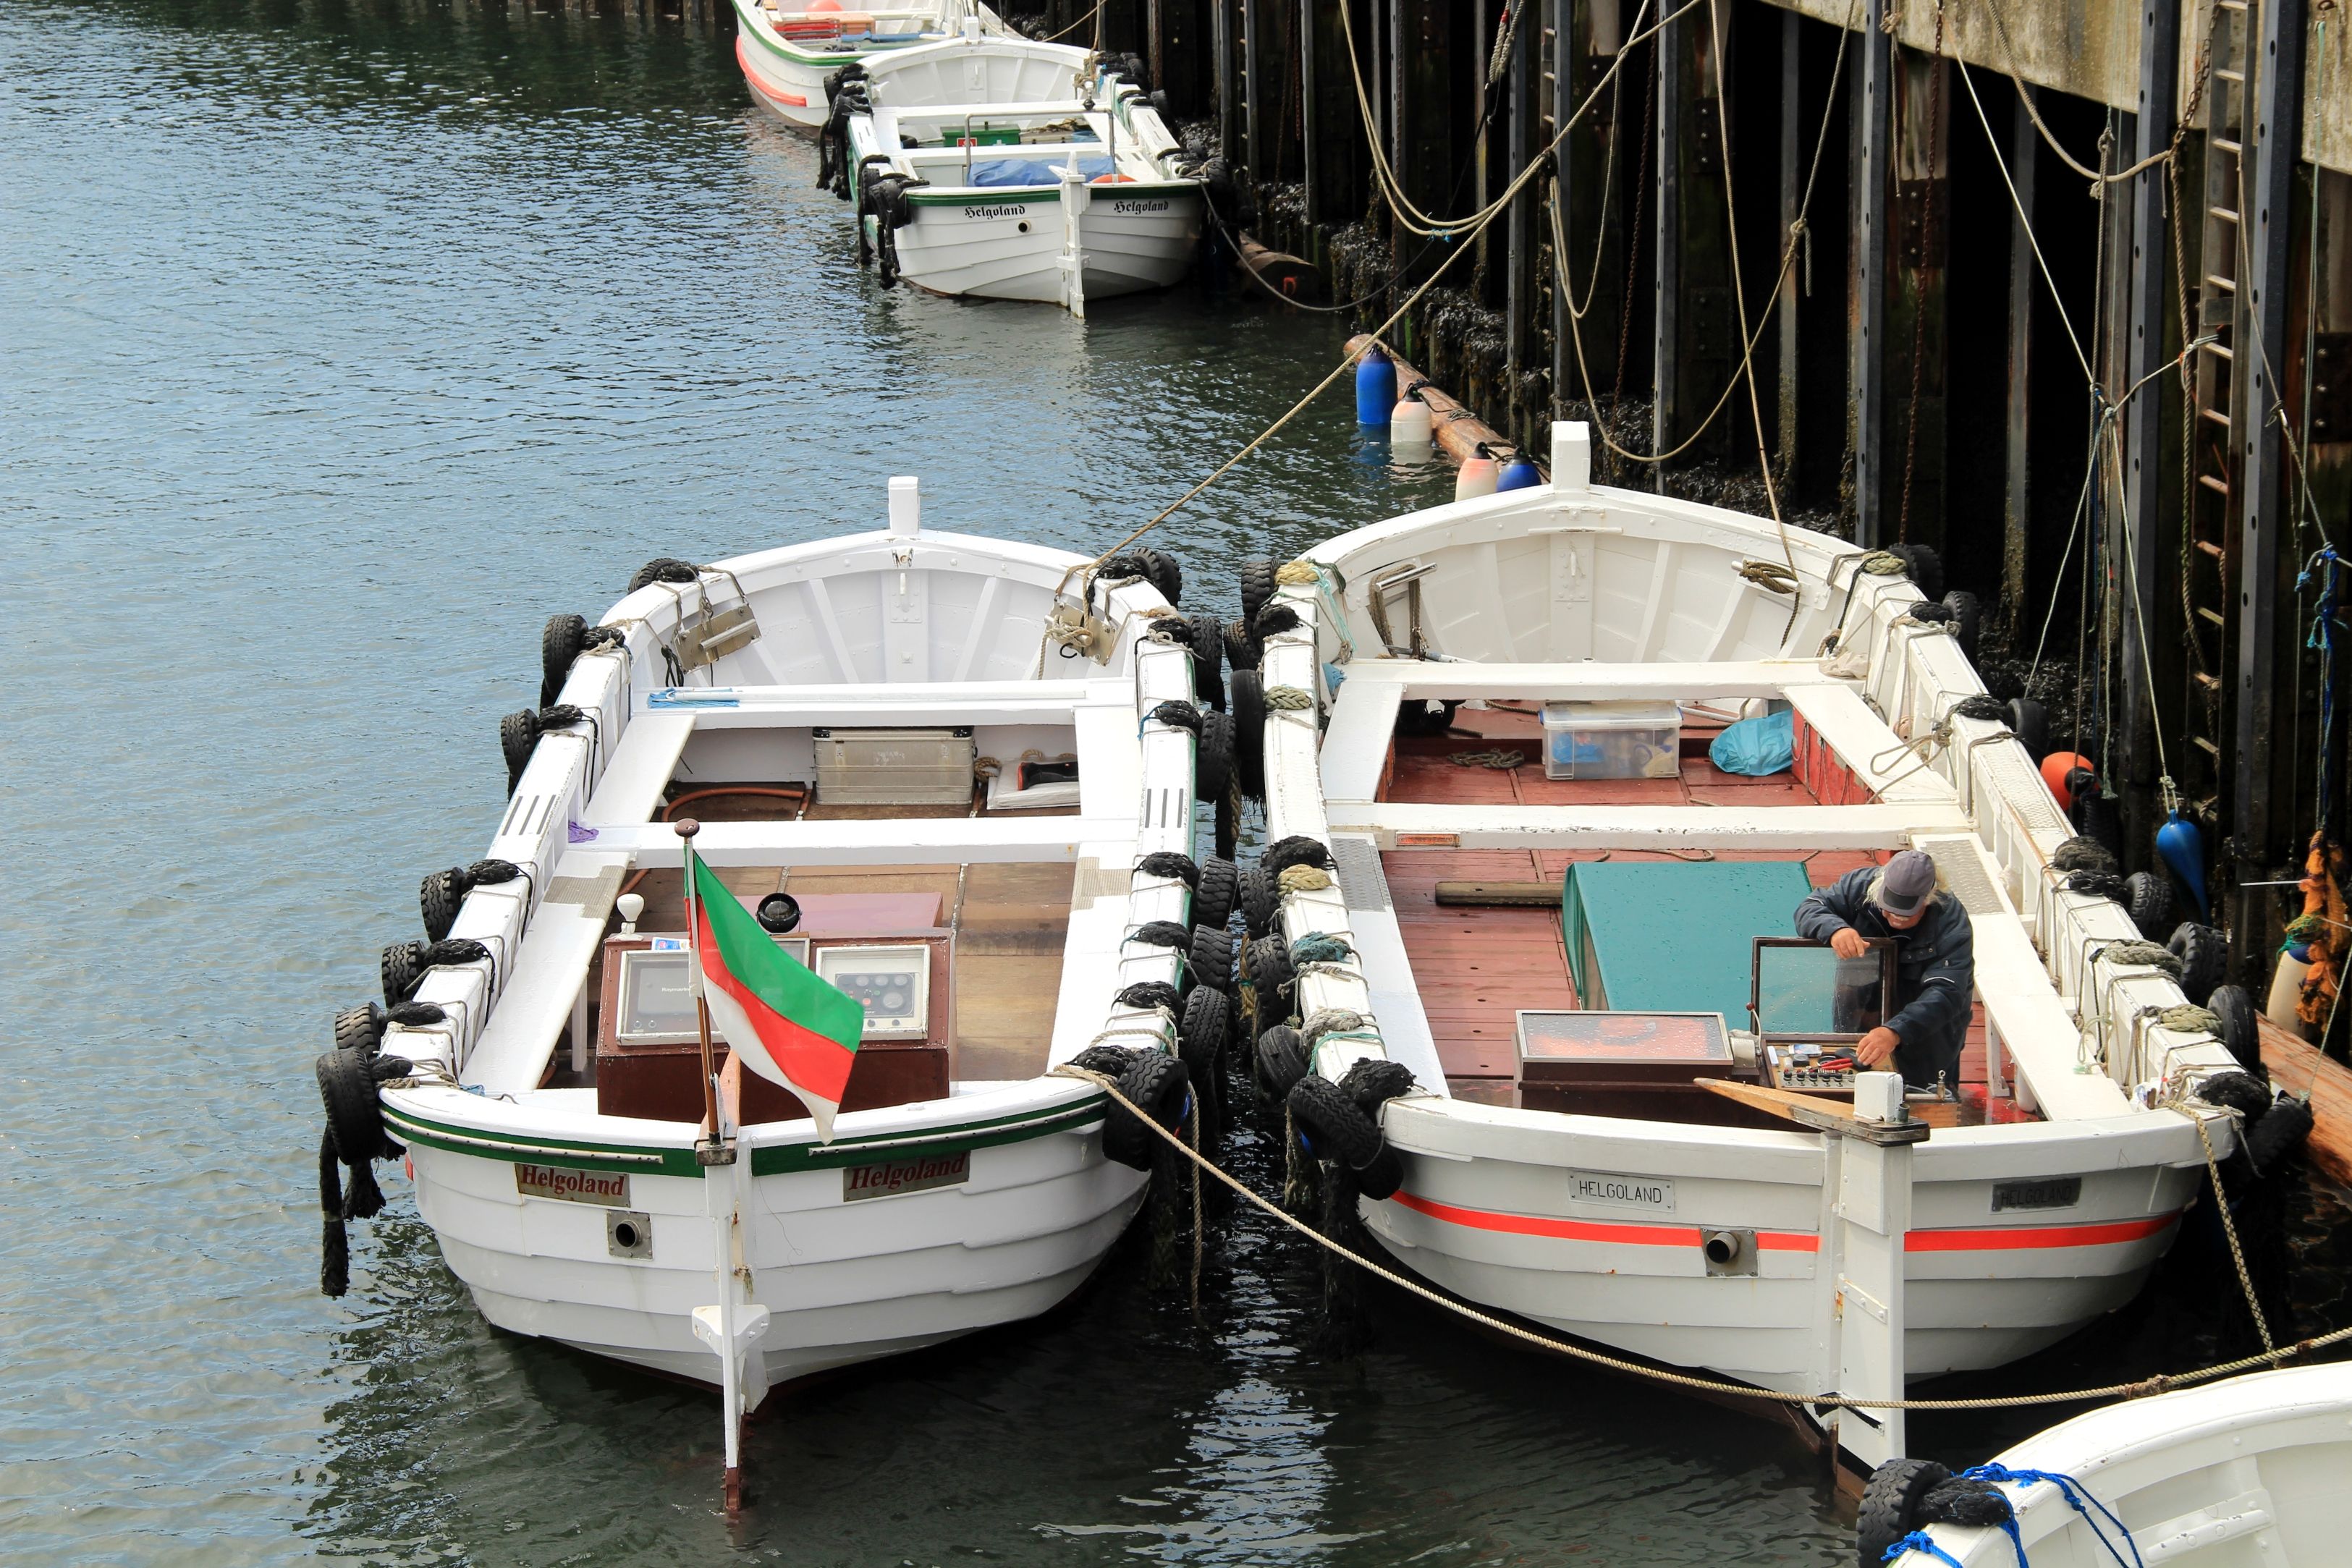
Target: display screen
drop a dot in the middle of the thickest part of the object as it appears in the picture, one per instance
(655, 1002)
(1623, 1037)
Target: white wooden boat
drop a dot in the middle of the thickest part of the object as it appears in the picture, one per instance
(2247, 1470)
(851, 685)
(788, 48)
(1050, 199)
(1702, 1237)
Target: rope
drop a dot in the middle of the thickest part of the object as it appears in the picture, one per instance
(2159, 1383)
(1319, 947)
(2322, 636)
(2230, 1230)
(1290, 699)
(1337, 1023)
(1917, 1542)
(1297, 574)
(1499, 760)
(2000, 27)
(1536, 165)
(1304, 879)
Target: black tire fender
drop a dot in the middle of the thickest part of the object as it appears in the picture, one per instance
(402, 964)
(1214, 894)
(1281, 1060)
(1164, 573)
(2030, 722)
(1261, 898)
(1890, 1506)
(1248, 698)
(1258, 585)
(518, 737)
(1211, 957)
(1208, 660)
(1968, 619)
(2204, 959)
(558, 645)
(1156, 1084)
(1213, 757)
(2241, 1030)
(1334, 1127)
(1271, 974)
(360, 1030)
(1242, 650)
(1200, 1037)
(439, 897)
(2147, 898)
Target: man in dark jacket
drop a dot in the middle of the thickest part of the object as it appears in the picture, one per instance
(1927, 1021)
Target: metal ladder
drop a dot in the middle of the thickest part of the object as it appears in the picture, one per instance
(2211, 527)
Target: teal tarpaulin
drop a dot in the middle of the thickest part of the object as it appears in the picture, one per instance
(1673, 935)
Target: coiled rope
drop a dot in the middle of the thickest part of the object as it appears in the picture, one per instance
(1302, 879)
(1498, 760)
(1297, 574)
(1290, 699)
(2159, 1383)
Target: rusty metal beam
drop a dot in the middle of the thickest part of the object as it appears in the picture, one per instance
(1874, 92)
(2277, 134)
(1665, 408)
(2017, 492)
(2155, 118)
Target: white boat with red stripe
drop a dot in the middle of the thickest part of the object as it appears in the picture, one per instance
(787, 49)
(1547, 1171)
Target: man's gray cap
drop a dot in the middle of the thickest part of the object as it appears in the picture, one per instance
(1905, 884)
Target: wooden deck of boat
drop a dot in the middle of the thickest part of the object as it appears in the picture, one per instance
(1477, 969)
(1011, 921)
(2301, 1068)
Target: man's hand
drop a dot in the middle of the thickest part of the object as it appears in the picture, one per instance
(1880, 1044)
(1848, 944)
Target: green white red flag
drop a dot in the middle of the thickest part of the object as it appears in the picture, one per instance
(784, 1022)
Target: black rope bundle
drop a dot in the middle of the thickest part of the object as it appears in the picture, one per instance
(488, 874)
(1171, 863)
(1178, 713)
(2239, 1092)
(1981, 706)
(1296, 849)
(1273, 620)
(415, 1015)
(1111, 1061)
(1931, 609)
(2098, 884)
(555, 715)
(1373, 1081)
(603, 637)
(1162, 934)
(2081, 853)
(1149, 994)
(452, 950)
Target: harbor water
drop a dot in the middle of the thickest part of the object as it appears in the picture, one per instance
(345, 340)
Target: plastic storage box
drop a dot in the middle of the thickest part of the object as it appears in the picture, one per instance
(1612, 740)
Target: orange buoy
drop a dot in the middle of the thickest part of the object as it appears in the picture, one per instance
(2054, 768)
(1112, 180)
(814, 7)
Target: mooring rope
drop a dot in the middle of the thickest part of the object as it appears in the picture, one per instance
(2159, 1383)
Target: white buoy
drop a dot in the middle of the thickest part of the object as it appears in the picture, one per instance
(1409, 428)
(2286, 990)
(1477, 478)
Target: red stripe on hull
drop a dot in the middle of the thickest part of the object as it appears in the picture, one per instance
(743, 58)
(2015, 1239)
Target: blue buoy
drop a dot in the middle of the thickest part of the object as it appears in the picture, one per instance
(2183, 849)
(1376, 388)
(1518, 473)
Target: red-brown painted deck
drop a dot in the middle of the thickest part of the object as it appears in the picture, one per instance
(1477, 969)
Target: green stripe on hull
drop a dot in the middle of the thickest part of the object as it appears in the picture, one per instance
(1014, 1127)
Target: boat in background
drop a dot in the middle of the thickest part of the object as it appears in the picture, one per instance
(1561, 1158)
(934, 804)
(2247, 1470)
(1056, 200)
(787, 48)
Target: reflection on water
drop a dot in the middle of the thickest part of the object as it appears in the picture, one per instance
(347, 340)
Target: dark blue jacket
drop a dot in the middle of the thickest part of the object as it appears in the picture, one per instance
(1935, 977)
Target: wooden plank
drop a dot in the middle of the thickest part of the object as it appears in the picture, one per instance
(1808, 1110)
(2300, 1068)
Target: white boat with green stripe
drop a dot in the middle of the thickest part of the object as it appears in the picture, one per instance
(1056, 200)
(788, 48)
(931, 791)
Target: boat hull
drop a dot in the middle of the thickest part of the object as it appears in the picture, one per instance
(1487, 1212)
(845, 1281)
(999, 247)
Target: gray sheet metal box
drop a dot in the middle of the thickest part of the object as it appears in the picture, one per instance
(894, 767)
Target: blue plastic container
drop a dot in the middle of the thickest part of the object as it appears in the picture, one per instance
(1376, 388)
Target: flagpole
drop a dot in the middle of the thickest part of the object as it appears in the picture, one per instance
(709, 1151)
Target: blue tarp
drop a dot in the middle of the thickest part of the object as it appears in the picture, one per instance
(1757, 745)
(999, 172)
